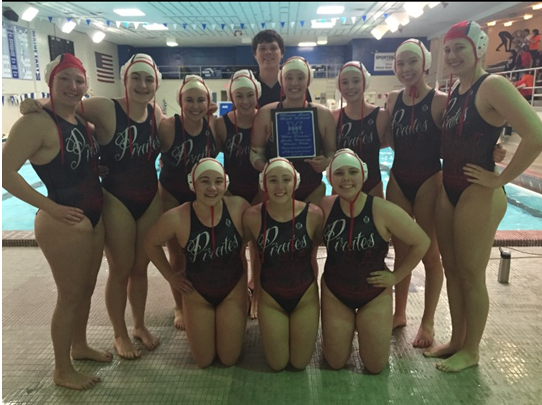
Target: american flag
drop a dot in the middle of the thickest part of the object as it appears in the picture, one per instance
(104, 68)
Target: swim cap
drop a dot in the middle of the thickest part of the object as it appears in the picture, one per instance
(346, 157)
(471, 31)
(279, 162)
(418, 47)
(204, 165)
(141, 62)
(354, 66)
(297, 63)
(60, 63)
(245, 78)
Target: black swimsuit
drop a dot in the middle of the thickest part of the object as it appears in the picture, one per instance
(472, 143)
(178, 161)
(346, 270)
(214, 273)
(417, 146)
(368, 150)
(132, 175)
(243, 177)
(286, 276)
(74, 182)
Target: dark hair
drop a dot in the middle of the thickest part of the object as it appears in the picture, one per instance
(267, 36)
(528, 30)
(536, 32)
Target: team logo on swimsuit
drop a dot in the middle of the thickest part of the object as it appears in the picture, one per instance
(299, 225)
(371, 122)
(366, 220)
(425, 107)
(228, 222)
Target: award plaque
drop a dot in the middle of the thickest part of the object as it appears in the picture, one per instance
(294, 132)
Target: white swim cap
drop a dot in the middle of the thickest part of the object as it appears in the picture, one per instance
(416, 46)
(354, 66)
(297, 63)
(141, 62)
(346, 157)
(204, 165)
(279, 162)
(245, 78)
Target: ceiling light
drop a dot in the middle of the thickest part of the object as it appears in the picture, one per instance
(171, 42)
(414, 9)
(30, 13)
(508, 24)
(321, 40)
(68, 27)
(403, 18)
(433, 4)
(98, 37)
(379, 31)
(537, 6)
(330, 10)
(155, 27)
(492, 23)
(322, 24)
(307, 44)
(129, 12)
(392, 23)
(527, 16)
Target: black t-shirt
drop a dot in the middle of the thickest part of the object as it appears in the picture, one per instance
(272, 94)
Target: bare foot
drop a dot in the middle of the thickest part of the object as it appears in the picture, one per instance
(444, 350)
(126, 349)
(75, 380)
(151, 342)
(424, 338)
(398, 321)
(88, 353)
(178, 320)
(458, 362)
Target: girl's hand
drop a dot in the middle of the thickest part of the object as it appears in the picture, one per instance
(381, 278)
(479, 175)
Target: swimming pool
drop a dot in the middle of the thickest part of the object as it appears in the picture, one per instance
(524, 206)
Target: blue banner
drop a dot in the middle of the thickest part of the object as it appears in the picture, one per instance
(12, 53)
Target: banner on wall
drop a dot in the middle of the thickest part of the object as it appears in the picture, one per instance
(18, 52)
(384, 61)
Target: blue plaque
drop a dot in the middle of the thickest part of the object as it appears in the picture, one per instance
(294, 132)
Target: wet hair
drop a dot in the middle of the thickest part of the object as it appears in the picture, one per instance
(267, 36)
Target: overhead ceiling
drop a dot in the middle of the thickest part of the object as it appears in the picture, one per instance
(234, 23)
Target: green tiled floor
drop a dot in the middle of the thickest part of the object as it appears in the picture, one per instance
(509, 371)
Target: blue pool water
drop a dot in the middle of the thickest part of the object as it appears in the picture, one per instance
(524, 206)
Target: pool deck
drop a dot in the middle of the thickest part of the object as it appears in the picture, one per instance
(508, 373)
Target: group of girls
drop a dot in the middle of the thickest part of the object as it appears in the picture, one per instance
(206, 231)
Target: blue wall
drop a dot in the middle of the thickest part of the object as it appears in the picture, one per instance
(357, 49)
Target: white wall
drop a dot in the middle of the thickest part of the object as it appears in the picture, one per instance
(84, 50)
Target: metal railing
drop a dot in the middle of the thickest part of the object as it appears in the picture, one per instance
(512, 76)
(225, 72)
